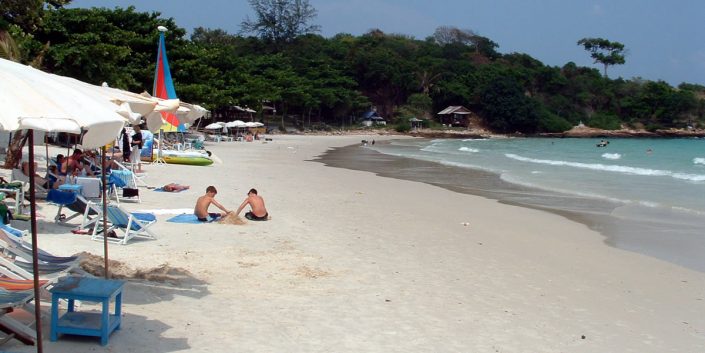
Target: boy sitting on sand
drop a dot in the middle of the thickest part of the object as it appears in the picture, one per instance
(258, 211)
(203, 202)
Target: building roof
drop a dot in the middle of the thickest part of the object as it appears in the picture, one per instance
(455, 109)
(370, 114)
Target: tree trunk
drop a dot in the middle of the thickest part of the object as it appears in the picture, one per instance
(605, 70)
(14, 152)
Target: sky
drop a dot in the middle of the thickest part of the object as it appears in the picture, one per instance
(664, 40)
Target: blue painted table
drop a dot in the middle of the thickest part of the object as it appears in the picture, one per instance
(100, 324)
(71, 187)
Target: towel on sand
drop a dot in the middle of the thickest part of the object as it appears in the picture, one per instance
(188, 218)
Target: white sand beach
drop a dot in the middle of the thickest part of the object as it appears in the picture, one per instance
(354, 262)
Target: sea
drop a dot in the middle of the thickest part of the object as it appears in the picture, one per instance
(642, 195)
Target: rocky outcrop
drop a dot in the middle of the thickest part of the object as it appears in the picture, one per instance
(584, 131)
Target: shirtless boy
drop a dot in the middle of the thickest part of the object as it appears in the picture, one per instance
(203, 202)
(258, 212)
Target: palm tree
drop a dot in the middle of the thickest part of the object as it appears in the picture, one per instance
(427, 80)
(10, 51)
(8, 47)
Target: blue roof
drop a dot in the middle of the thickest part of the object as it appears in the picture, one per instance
(370, 114)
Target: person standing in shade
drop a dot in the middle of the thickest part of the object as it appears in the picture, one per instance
(136, 149)
(125, 145)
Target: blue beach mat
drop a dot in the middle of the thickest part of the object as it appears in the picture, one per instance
(188, 218)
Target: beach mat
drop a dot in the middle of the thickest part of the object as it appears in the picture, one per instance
(188, 218)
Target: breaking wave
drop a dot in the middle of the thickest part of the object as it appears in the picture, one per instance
(611, 168)
(611, 156)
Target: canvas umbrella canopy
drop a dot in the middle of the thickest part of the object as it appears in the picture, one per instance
(185, 112)
(214, 126)
(35, 100)
(236, 123)
(133, 106)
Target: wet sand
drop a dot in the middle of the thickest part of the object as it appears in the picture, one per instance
(632, 228)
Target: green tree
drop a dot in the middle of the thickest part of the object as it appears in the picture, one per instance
(27, 14)
(17, 18)
(280, 21)
(603, 51)
(507, 109)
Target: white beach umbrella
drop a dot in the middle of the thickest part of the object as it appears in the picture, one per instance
(231, 124)
(186, 113)
(258, 124)
(189, 113)
(34, 100)
(250, 124)
(214, 126)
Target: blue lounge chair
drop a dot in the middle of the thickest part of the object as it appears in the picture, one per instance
(132, 224)
(125, 181)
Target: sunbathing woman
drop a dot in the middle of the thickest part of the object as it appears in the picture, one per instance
(172, 187)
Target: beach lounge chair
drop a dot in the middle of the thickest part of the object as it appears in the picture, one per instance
(138, 178)
(15, 190)
(23, 332)
(79, 205)
(132, 224)
(124, 181)
(14, 284)
(16, 259)
(40, 191)
(19, 248)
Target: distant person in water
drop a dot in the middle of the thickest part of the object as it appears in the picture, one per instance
(203, 202)
(257, 210)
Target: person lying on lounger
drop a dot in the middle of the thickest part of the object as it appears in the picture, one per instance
(172, 187)
(203, 202)
(257, 210)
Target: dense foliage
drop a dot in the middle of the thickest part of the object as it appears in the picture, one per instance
(312, 80)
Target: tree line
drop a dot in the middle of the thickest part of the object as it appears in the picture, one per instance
(313, 80)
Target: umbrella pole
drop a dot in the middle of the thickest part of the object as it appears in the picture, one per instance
(46, 146)
(105, 211)
(35, 252)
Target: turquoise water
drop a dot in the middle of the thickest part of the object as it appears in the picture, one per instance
(660, 173)
(643, 195)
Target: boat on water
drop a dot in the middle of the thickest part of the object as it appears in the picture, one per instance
(186, 157)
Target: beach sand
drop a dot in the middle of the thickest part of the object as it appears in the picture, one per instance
(355, 262)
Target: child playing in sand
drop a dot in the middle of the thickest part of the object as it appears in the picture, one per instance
(203, 202)
(258, 212)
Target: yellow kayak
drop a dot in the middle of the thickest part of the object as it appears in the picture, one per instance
(186, 157)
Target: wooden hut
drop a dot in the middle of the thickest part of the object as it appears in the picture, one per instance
(455, 115)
